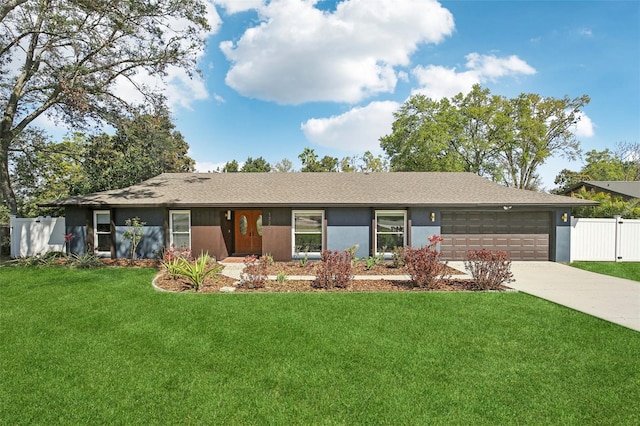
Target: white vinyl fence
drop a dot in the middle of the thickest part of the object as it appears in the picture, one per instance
(31, 237)
(605, 239)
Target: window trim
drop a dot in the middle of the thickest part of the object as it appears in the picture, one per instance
(295, 254)
(96, 233)
(171, 231)
(376, 232)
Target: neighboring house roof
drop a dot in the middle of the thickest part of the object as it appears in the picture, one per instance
(318, 189)
(629, 189)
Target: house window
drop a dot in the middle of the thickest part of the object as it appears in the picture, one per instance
(180, 228)
(390, 230)
(102, 232)
(307, 232)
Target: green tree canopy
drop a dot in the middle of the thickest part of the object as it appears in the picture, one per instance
(610, 206)
(311, 163)
(283, 166)
(256, 165)
(231, 167)
(621, 164)
(506, 140)
(65, 58)
(141, 148)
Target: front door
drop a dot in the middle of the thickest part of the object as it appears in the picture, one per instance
(248, 231)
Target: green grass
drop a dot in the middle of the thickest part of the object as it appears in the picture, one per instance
(628, 270)
(103, 347)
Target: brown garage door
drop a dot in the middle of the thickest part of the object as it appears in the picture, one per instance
(524, 235)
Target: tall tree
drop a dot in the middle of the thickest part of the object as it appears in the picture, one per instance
(283, 166)
(231, 167)
(538, 128)
(44, 171)
(421, 137)
(601, 165)
(629, 154)
(477, 125)
(256, 165)
(371, 163)
(311, 163)
(142, 147)
(64, 59)
(504, 139)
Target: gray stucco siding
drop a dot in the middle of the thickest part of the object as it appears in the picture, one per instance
(347, 227)
(422, 227)
(76, 225)
(150, 245)
(560, 250)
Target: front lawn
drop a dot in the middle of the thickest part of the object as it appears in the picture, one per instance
(628, 270)
(102, 347)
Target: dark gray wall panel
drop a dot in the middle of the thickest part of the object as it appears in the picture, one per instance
(151, 216)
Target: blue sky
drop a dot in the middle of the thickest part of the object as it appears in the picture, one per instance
(283, 75)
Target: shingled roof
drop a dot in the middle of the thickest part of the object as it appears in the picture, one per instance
(630, 189)
(235, 190)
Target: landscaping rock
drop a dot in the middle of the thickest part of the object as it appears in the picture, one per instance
(227, 289)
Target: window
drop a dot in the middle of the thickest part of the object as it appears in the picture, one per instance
(390, 230)
(102, 232)
(307, 232)
(180, 228)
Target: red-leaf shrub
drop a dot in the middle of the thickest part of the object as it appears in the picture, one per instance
(489, 269)
(425, 267)
(335, 270)
(254, 274)
(173, 253)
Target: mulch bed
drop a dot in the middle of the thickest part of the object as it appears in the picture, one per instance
(214, 284)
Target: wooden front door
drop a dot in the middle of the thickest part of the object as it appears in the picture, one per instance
(248, 231)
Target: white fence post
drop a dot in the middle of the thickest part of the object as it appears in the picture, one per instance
(605, 239)
(31, 237)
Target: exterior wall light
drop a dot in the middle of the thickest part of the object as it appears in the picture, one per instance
(227, 215)
(564, 217)
(433, 216)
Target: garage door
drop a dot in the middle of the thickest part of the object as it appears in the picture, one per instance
(524, 235)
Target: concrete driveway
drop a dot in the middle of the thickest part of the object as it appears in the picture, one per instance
(612, 299)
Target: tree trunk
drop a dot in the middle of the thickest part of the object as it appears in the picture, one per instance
(6, 192)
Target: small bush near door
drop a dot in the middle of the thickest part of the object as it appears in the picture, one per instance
(489, 269)
(254, 274)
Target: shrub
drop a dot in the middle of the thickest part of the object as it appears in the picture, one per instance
(254, 274)
(398, 259)
(281, 278)
(173, 252)
(424, 265)
(85, 261)
(172, 260)
(198, 270)
(335, 270)
(489, 268)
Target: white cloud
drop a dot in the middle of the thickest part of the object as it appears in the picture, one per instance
(208, 166)
(584, 128)
(298, 53)
(357, 130)
(438, 82)
(180, 88)
(235, 6)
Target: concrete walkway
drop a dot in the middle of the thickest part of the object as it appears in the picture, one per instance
(613, 299)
